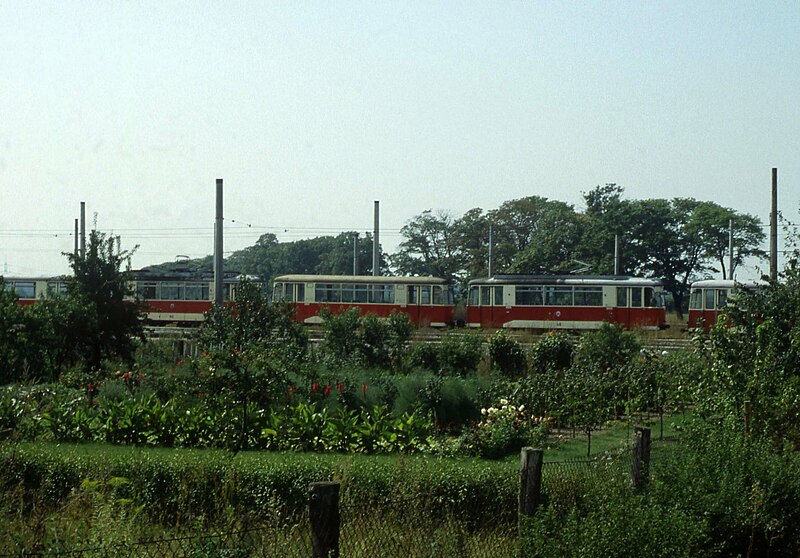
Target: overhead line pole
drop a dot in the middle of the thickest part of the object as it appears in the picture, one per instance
(218, 261)
(773, 229)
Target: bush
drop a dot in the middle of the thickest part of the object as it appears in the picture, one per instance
(608, 347)
(553, 351)
(506, 354)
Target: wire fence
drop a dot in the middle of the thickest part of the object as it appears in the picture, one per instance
(407, 527)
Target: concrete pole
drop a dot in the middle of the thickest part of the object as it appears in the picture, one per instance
(83, 229)
(376, 245)
(491, 250)
(617, 255)
(355, 254)
(77, 241)
(219, 293)
(773, 229)
(730, 249)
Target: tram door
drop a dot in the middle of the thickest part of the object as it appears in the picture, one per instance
(492, 307)
(629, 305)
(413, 301)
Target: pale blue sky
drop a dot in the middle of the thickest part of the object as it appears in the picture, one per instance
(311, 111)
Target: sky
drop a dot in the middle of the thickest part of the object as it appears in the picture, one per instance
(311, 111)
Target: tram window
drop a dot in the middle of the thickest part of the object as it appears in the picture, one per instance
(558, 296)
(439, 296)
(56, 288)
(636, 297)
(498, 296)
(425, 294)
(696, 300)
(230, 291)
(360, 293)
(197, 291)
(622, 297)
(588, 296)
(147, 291)
(474, 296)
(486, 300)
(277, 292)
(25, 289)
(301, 292)
(171, 291)
(648, 297)
(381, 294)
(709, 296)
(722, 298)
(528, 296)
(328, 292)
(348, 292)
(411, 294)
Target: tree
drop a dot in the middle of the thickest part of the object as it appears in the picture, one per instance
(428, 248)
(101, 286)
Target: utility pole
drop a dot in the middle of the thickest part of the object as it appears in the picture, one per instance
(76, 240)
(355, 254)
(730, 248)
(376, 246)
(491, 250)
(616, 254)
(773, 229)
(83, 229)
(219, 292)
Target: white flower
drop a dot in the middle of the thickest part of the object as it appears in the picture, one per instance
(504, 401)
(483, 411)
(521, 408)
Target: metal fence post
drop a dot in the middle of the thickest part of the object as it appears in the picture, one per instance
(640, 464)
(530, 482)
(323, 510)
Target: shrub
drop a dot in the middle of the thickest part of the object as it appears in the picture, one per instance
(553, 351)
(608, 347)
(507, 354)
(460, 354)
(503, 430)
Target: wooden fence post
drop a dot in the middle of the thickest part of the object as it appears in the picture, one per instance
(640, 464)
(323, 510)
(530, 482)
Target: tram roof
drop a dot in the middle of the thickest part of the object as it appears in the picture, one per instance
(620, 280)
(727, 284)
(362, 279)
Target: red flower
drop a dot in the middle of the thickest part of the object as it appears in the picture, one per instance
(364, 389)
(180, 362)
(314, 387)
(340, 387)
(291, 390)
(202, 374)
(327, 391)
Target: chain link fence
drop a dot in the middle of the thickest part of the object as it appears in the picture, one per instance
(407, 527)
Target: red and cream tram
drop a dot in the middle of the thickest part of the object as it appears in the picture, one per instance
(167, 297)
(708, 299)
(428, 301)
(565, 302)
(30, 289)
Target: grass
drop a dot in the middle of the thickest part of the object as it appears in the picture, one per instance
(615, 436)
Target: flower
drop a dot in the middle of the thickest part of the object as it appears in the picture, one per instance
(340, 387)
(504, 401)
(327, 391)
(364, 389)
(483, 411)
(314, 387)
